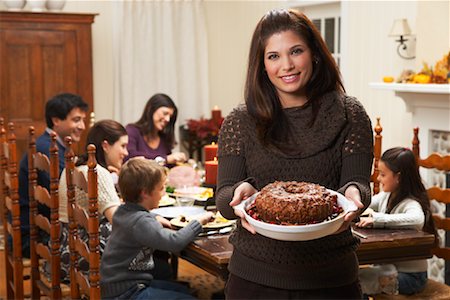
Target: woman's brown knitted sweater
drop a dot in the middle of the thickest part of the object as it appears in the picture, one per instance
(336, 151)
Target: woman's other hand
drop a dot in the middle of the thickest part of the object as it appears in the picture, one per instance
(176, 157)
(164, 222)
(351, 193)
(242, 192)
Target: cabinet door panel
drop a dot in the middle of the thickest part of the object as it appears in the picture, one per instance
(42, 55)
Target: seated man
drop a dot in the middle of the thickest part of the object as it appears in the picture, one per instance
(65, 115)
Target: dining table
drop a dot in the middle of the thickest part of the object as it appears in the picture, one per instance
(212, 252)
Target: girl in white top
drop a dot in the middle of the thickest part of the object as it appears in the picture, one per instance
(402, 204)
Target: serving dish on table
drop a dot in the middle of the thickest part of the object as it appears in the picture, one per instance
(216, 223)
(166, 201)
(196, 192)
(170, 212)
(298, 232)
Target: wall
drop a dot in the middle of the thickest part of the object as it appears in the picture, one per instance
(368, 53)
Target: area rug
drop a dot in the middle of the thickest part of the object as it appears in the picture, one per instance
(204, 285)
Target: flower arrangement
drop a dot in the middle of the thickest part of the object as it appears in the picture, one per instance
(203, 127)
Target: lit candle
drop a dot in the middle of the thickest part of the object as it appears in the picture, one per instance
(210, 151)
(211, 171)
(216, 114)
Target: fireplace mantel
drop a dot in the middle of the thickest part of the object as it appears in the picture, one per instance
(419, 95)
(429, 105)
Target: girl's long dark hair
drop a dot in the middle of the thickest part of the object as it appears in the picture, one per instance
(104, 130)
(403, 162)
(145, 123)
(261, 97)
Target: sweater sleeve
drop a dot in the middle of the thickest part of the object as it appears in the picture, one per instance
(150, 233)
(407, 214)
(231, 153)
(107, 195)
(357, 151)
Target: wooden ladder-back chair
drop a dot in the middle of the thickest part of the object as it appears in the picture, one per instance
(41, 250)
(79, 284)
(11, 213)
(441, 195)
(376, 156)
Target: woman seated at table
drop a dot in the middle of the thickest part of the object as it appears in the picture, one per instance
(153, 135)
(110, 139)
(402, 204)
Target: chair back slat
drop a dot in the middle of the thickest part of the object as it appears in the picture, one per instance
(10, 208)
(40, 250)
(79, 180)
(41, 162)
(440, 162)
(42, 195)
(89, 221)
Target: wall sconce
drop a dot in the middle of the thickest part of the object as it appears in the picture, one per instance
(400, 29)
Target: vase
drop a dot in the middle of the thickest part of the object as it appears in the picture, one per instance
(14, 5)
(36, 5)
(55, 5)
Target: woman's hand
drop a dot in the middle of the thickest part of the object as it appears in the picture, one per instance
(176, 157)
(164, 222)
(365, 222)
(351, 193)
(242, 192)
(113, 169)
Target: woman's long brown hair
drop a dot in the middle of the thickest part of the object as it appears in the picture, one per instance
(261, 97)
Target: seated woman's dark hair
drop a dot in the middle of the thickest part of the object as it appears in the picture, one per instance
(104, 130)
(145, 123)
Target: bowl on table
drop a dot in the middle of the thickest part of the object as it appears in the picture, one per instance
(298, 232)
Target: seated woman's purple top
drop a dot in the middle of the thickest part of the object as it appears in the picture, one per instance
(137, 146)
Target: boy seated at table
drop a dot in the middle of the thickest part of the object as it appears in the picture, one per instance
(136, 234)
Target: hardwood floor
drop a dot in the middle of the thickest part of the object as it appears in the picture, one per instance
(204, 283)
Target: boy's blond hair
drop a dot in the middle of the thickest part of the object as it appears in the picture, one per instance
(139, 175)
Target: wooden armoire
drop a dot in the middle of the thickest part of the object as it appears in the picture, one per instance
(41, 55)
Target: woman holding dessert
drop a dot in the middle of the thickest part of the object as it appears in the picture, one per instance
(297, 124)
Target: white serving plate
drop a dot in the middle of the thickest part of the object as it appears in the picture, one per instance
(171, 212)
(298, 232)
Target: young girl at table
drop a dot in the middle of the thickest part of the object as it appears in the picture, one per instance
(127, 262)
(402, 204)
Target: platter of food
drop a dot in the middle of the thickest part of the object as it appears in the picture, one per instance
(166, 201)
(196, 192)
(216, 222)
(171, 212)
(296, 213)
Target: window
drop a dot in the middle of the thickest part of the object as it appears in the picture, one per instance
(326, 16)
(330, 29)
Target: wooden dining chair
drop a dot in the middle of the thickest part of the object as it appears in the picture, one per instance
(11, 213)
(442, 195)
(376, 157)
(89, 221)
(44, 251)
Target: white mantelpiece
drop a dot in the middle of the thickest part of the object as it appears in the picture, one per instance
(419, 95)
(429, 105)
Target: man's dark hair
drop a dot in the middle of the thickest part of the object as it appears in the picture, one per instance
(61, 105)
